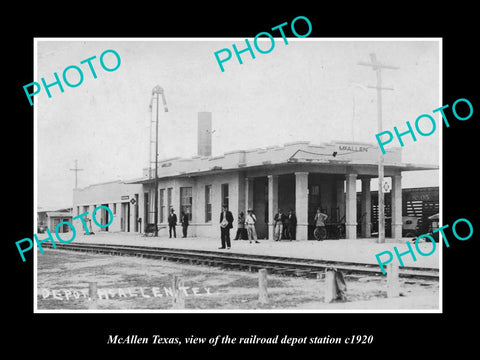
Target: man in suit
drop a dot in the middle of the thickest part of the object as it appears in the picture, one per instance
(226, 219)
(172, 222)
(278, 222)
(291, 224)
(184, 219)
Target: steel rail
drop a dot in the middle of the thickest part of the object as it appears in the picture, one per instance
(276, 264)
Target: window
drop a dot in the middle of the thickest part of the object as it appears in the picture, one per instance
(151, 205)
(162, 205)
(169, 199)
(114, 209)
(314, 196)
(208, 203)
(225, 194)
(186, 201)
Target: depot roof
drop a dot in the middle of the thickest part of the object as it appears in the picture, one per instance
(333, 154)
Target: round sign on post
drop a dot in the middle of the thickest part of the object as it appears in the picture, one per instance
(386, 187)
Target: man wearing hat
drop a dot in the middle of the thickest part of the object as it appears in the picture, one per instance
(241, 231)
(250, 221)
(291, 224)
(172, 222)
(278, 222)
(226, 219)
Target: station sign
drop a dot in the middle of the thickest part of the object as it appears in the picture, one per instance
(353, 148)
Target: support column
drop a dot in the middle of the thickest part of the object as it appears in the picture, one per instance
(301, 204)
(272, 202)
(397, 207)
(248, 194)
(351, 207)
(366, 207)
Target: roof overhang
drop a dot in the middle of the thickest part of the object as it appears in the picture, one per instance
(329, 166)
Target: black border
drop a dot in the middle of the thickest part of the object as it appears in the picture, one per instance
(394, 333)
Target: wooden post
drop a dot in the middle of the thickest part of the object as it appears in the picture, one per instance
(92, 295)
(393, 286)
(330, 286)
(178, 301)
(262, 286)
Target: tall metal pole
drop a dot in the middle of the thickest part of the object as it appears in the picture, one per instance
(150, 107)
(156, 172)
(157, 90)
(377, 67)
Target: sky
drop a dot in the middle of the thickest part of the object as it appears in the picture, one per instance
(309, 90)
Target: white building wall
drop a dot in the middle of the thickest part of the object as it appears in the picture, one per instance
(198, 226)
(87, 199)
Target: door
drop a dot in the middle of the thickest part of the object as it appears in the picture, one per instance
(260, 206)
(123, 215)
(104, 218)
(55, 222)
(128, 216)
(146, 207)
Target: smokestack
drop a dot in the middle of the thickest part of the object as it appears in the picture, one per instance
(204, 133)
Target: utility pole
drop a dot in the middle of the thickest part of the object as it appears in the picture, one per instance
(76, 169)
(377, 67)
(157, 90)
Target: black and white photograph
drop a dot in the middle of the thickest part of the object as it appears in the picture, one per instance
(176, 186)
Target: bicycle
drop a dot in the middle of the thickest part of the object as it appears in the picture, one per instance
(320, 233)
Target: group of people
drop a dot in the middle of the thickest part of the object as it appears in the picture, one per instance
(172, 223)
(246, 227)
(245, 230)
(284, 225)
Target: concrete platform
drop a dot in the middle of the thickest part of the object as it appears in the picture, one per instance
(359, 250)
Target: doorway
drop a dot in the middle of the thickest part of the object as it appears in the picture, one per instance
(260, 206)
(104, 219)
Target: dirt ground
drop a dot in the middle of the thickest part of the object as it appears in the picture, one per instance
(129, 283)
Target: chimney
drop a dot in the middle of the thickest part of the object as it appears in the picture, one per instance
(204, 133)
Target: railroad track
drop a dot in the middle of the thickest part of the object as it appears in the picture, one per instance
(274, 264)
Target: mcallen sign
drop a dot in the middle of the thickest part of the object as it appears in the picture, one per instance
(352, 148)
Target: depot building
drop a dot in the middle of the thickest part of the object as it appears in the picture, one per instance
(300, 176)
